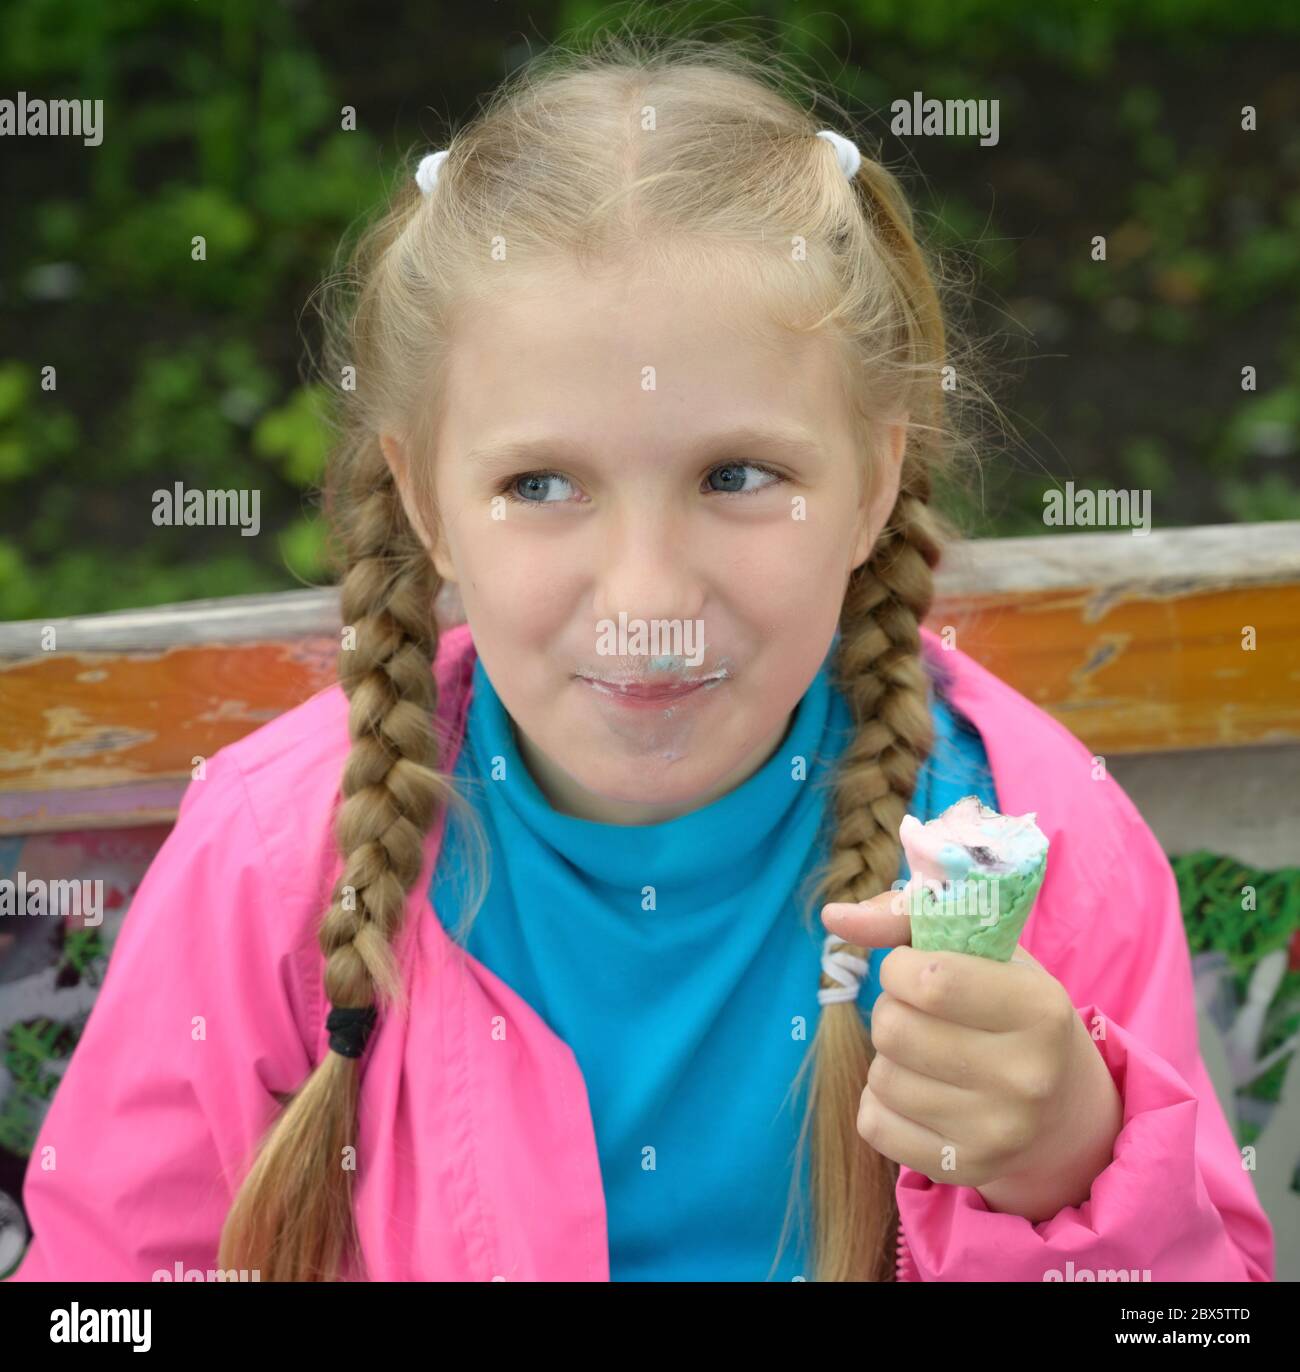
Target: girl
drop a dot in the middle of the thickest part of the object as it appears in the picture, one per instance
(648, 365)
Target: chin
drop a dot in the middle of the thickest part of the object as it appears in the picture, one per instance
(653, 781)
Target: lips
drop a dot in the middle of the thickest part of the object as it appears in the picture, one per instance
(647, 692)
(639, 692)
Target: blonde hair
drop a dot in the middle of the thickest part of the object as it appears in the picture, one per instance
(558, 161)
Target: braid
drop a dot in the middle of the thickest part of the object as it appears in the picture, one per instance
(292, 1219)
(878, 667)
(389, 786)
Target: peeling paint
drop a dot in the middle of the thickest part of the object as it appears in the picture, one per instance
(1106, 650)
(64, 720)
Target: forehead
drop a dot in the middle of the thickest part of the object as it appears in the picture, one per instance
(597, 355)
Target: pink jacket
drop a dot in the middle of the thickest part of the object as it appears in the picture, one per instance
(477, 1150)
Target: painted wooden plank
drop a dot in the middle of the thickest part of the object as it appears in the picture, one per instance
(1164, 562)
(1146, 674)
(1139, 643)
(56, 810)
(232, 619)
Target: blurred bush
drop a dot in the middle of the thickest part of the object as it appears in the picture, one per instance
(125, 365)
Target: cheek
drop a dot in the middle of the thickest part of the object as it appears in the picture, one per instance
(499, 563)
(789, 571)
(510, 576)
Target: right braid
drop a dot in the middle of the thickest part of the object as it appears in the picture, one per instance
(879, 670)
(292, 1219)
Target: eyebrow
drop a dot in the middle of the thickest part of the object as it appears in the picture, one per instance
(792, 443)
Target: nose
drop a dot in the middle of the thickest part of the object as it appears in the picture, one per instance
(647, 569)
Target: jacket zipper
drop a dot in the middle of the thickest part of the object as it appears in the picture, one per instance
(904, 1264)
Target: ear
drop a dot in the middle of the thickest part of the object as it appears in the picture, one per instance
(395, 455)
(882, 490)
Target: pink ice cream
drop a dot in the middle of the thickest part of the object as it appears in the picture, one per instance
(969, 838)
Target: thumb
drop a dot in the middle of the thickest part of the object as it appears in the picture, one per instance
(1022, 954)
(880, 922)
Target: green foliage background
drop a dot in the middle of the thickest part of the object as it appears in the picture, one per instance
(223, 117)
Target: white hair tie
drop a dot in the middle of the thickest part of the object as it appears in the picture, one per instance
(846, 968)
(846, 151)
(426, 174)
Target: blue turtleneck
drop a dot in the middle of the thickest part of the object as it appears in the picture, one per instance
(689, 1012)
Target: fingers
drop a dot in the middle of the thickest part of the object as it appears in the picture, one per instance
(927, 1100)
(874, 923)
(980, 993)
(933, 1048)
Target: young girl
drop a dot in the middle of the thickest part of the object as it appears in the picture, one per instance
(643, 347)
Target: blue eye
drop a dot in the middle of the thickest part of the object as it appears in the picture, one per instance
(533, 481)
(732, 468)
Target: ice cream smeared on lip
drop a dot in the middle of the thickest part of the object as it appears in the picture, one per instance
(668, 672)
(974, 876)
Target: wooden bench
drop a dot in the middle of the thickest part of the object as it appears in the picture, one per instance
(1134, 643)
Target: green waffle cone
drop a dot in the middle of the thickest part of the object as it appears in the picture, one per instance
(981, 915)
